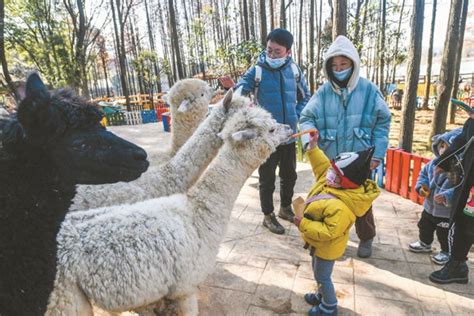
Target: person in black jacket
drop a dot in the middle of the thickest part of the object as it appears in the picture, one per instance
(461, 235)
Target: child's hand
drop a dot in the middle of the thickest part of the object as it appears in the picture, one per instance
(424, 191)
(297, 221)
(439, 198)
(313, 139)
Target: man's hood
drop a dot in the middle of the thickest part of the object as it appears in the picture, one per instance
(342, 46)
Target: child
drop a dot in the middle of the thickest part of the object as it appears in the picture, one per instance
(341, 193)
(438, 194)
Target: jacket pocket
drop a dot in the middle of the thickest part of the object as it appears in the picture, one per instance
(362, 138)
(327, 139)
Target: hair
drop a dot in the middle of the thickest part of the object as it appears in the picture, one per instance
(281, 37)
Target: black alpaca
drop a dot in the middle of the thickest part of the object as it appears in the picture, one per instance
(54, 143)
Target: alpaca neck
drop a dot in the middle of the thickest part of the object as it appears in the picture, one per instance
(214, 194)
(181, 130)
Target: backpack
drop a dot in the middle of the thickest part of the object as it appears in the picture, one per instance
(296, 72)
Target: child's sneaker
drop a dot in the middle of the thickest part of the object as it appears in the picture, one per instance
(419, 246)
(323, 310)
(312, 298)
(441, 258)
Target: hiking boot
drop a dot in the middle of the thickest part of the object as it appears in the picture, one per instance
(312, 298)
(441, 258)
(453, 272)
(365, 248)
(270, 222)
(286, 213)
(419, 247)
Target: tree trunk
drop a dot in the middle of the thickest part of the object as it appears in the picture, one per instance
(407, 122)
(357, 23)
(263, 22)
(156, 68)
(282, 14)
(318, 58)
(272, 15)
(446, 76)
(382, 48)
(251, 10)
(175, 39)
(457, 66)
(300, 34)
(430, 57)
(3, 57)
(311, 47)
(339, 26)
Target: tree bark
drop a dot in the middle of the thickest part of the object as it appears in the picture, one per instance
(462, 26)
(300, 34)
(175, 40)
(320, 31)
(3, 58)
(382, 48)
(156, 68)
(311, 47)
(430, 57)
(395, 54)
(263, 22)
(446, 76)
(339, 26)
(413, 72)
(282, 14)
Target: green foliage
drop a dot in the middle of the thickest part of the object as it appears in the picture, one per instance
(144, 66)
(238, 56)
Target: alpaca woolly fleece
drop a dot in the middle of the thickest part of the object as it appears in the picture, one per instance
(189, 101)
(134, 255)
(176, 175)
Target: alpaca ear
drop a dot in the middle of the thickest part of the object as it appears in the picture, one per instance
(227, 99)
(245, 134)
(184, 106)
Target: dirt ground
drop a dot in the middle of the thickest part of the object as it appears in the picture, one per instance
(423, 119)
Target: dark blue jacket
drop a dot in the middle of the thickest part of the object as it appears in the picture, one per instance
(277, 92)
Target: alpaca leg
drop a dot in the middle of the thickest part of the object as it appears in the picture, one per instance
(68, 300)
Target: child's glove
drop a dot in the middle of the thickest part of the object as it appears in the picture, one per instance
(424, 191)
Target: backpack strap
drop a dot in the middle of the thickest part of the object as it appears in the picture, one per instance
(296, 72)
(258, 79)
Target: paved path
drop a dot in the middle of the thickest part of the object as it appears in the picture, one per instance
(260, 273)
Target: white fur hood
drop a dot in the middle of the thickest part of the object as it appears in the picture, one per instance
(342, 46)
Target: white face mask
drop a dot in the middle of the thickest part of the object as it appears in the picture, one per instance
(332, 178)
(275, 62)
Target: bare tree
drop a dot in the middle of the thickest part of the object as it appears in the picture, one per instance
(272, 15)
(282, 14)
(175, 40)
(339, 26)
(156, 68)
(413, 72)
(300, 34)
(382, 47)
(397, 40)
(430, 57)
(6, 74)
(312, 11)
(457, 65)
(263, 22)
(446, 76)
(318, 58)
(357, 24)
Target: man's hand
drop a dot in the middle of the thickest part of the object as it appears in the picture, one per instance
(374, 163)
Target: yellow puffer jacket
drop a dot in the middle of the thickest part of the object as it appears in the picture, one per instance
(328, 231)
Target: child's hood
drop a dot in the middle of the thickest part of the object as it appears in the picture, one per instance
(447, 137)
(358, 200)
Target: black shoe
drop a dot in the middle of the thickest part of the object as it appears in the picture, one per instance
(453, 272)
(286, 213)
(270, 222)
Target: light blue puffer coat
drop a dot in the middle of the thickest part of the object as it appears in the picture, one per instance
(351, 118)
(277, 92)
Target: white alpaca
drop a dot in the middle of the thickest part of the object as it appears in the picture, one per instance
(189, 102)
(135, 255)
(179, 173)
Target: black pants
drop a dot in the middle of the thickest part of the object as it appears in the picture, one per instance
(461, 237)
(428, 224)
(365, 226)
(285, 158)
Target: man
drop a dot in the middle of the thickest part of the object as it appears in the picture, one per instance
(351, 114)
(278, 85)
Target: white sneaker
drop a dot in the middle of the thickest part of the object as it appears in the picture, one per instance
(440, 258)
(419, 246)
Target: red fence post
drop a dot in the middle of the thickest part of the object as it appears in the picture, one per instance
(389, 169)
(396, 176)
(405, 173)
(416, 172)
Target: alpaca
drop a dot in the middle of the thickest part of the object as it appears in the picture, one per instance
(189, 102)
(178, 174)
(54, 142)
(161, 249)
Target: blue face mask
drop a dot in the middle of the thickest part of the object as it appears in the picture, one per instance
(275, 62)
(342, 75)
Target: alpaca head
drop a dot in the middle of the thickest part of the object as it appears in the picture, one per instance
(233, 102)
(64, 129)
(189, 98)
(253, 135)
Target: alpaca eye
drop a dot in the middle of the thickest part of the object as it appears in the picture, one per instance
(202, 95)
(271, 130)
